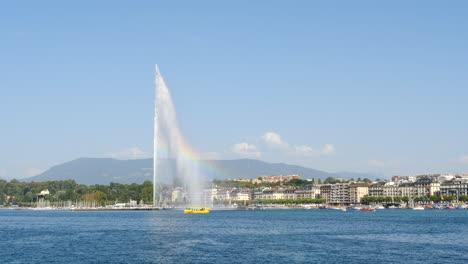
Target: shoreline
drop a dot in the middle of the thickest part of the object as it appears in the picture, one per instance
(180, 209)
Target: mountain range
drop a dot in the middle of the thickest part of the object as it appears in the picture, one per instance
(92, 171)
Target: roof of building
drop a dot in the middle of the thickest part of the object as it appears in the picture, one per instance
(406, 184)
(423, 181)
(378, 184)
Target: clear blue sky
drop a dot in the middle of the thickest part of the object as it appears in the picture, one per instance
(384, 84)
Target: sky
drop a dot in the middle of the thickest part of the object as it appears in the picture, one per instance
(361, 86)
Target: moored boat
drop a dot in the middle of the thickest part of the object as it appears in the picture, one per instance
(367, 210)
(418, 208)
(338, 208)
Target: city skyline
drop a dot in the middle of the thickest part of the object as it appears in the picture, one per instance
(334, 88)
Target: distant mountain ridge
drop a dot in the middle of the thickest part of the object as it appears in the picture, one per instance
(92, 171)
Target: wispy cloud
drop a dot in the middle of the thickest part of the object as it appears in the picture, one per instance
(130, 153)
(328, 149)
(246, 150)
(273, 139)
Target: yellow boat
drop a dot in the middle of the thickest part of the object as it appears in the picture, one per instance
(197, 210)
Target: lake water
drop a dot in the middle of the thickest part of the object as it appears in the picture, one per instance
(269, 236)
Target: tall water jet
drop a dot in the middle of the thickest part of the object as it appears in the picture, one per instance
(173, 159)
(155, 134)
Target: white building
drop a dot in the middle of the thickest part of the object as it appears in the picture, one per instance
(177, 195)
(209, 195)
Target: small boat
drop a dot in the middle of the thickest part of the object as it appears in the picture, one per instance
(418, 208)
(338, 208)
(197, 210)
(367, 210)
(379, 207)
(449, 207)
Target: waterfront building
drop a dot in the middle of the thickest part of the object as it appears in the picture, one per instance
(390, 189)
(376, 189)
(166, 194)
(308, 192)
(454, 187)
(406, 189)
(264, 193)
(423, 186)
(274, 193)
(177, 195)
(209, 195)
(240, 195)
(325, 192)
(426, 186)
(357, 190)
(340, 193)
(223, 194)
(268, 194)
(289, 193)
(257, 194)
(277, 194)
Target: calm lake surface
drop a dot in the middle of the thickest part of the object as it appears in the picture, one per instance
(269, 236)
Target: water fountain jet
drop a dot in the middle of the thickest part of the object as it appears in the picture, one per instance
(170, 147)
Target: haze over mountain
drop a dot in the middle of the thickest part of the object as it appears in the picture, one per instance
(105, 170)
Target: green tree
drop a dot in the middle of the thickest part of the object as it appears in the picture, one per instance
(434, 198)
(448, 198)
(297, 182)
(96, 196)
(146, 193)
(331, 180)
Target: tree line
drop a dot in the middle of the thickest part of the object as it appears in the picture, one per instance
(27, 193)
